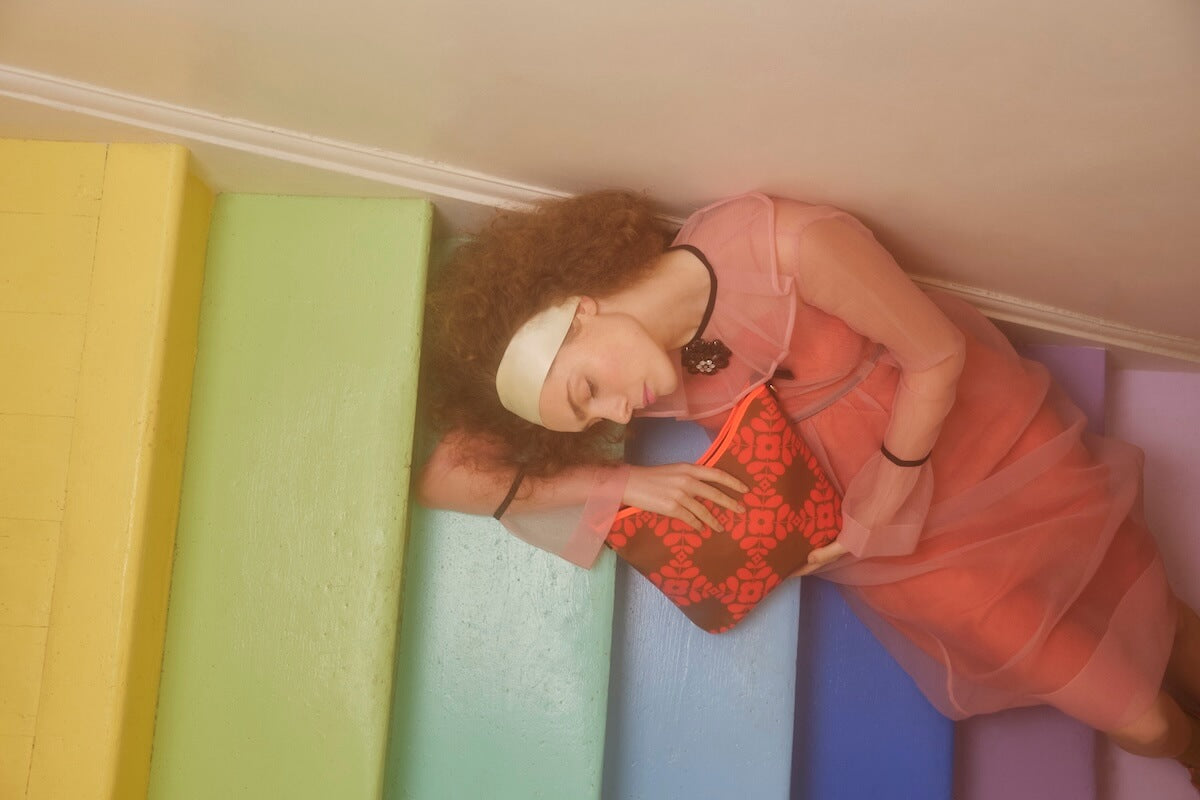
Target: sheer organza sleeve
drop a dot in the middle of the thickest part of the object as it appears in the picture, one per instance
(575, 532)
(568, 514)
(842, 270)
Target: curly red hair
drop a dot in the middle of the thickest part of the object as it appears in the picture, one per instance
(522, 262)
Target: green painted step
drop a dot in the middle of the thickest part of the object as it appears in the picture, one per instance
(502, 676)
(279, 659)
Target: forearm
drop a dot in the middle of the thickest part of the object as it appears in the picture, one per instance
(885, 503)
(923, 399)
(450, 481)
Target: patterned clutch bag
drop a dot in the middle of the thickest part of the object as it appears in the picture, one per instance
(792, 508)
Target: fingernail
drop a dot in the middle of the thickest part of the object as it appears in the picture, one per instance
(741, 509)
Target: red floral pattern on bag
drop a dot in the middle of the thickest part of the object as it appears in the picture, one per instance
(791, 508)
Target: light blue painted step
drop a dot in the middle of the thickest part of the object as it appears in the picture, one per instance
(692, 714)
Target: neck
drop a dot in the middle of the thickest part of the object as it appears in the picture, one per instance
(670, 301)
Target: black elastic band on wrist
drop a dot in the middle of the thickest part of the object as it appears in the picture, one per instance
(900, 462)
(512, 492)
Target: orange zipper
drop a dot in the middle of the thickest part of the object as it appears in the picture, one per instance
(731, 425)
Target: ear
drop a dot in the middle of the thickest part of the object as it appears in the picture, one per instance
(587, 307)
(585, 310)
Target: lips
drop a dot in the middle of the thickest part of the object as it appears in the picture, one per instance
(647, 396)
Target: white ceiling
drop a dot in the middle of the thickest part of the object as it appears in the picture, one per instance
(1044, 151)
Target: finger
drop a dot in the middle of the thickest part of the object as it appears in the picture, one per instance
(720, 476)
(689, 519)
(710, 492)
(810, 568)
(703, 514)
(826, 554)
(813, 566)
(819, 557)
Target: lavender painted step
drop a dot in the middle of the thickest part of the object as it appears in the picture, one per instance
(1037, 753)
(1156, 410)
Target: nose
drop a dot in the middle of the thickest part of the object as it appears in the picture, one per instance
(619, 409)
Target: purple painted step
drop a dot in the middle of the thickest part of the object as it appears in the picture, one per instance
(1037, 753)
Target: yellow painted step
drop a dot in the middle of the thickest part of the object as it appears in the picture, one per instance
(101, 259)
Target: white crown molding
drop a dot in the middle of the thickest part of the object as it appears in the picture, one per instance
(445, 181)
(1070, 324)
(347, 158)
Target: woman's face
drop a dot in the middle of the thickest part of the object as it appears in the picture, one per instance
(607, 368)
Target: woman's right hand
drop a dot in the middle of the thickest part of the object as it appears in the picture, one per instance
(675, 490)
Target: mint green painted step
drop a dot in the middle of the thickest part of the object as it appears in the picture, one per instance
(502, 680)
(277, 675)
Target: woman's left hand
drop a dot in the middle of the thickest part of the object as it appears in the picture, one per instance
(823, 556)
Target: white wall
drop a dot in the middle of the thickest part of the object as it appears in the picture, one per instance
(1044, 151)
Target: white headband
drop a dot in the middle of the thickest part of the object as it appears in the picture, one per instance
(528, 357)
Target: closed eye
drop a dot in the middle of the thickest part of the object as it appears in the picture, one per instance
(576, 408)
(591, 393)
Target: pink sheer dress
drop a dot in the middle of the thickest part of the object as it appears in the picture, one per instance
(1013, 568)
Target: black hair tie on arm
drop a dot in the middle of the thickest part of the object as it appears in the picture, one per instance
(900, 462)
(512, 492)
